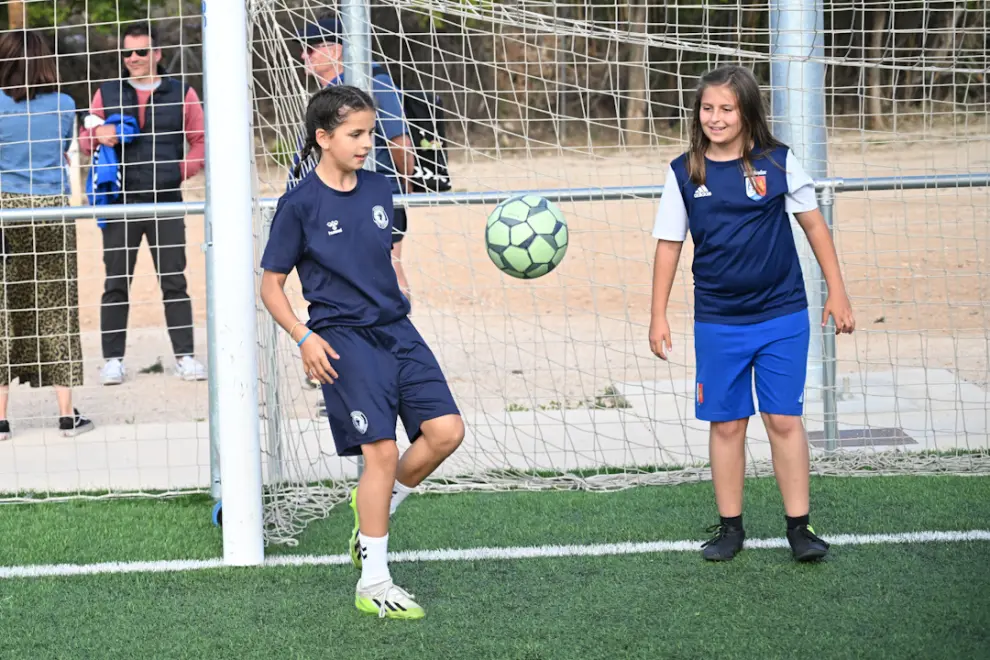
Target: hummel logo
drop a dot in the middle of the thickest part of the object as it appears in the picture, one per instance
(703, 191)
(334, 227)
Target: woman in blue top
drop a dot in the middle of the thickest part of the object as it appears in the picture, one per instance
(733, 190)
(39, 308)
(335, 229)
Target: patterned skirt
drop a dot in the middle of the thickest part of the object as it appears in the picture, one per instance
(39, 305)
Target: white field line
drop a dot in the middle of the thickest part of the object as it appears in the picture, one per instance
(474, 554)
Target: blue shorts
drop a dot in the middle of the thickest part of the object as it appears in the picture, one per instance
(384, 372)
(728, 355)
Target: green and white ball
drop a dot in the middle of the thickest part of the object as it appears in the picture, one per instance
(526, 236)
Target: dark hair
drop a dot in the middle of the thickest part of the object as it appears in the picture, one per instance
(327, 109)
(141, 29)
(27, 66)
(755, 129)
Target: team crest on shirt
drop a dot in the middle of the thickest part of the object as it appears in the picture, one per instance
(756, 186)
(381, 218)
(359, 421)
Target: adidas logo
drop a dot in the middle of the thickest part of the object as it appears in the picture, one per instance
(703, 191)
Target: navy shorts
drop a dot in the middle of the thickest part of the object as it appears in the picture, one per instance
(728, 356)
(384, 373)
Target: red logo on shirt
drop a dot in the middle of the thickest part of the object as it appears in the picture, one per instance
(701, 393)
(756, 187)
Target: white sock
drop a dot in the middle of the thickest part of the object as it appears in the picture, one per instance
(374, 560)
(399, 493)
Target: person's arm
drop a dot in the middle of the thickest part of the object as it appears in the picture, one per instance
(195, 135)
(312, 347)
(802, 201)
(837, 304)
(670, 229)
(68, 110)
(282, 253)
(393, 123)
(89, 139)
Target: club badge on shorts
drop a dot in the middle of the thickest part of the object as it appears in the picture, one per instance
(359, 421)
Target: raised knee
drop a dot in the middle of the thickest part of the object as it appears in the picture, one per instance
(445, 438)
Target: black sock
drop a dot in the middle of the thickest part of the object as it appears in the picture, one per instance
(796, 521)
(734, 522)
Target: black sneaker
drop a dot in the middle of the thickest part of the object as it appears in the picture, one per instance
(726, 543)
(805, 545)
(74, 425)
(4, 430)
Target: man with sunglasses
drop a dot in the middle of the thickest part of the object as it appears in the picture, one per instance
(153, 163)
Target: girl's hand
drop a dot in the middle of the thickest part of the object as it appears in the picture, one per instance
(660, 342)
(837, 305)
(314, 352)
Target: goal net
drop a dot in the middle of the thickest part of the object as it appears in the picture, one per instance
(572, 100)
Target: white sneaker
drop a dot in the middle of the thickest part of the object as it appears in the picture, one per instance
(189, 368)
(387, 601)
(113, 372)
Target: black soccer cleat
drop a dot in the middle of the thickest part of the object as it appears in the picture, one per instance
(805, 545)
(725, 544)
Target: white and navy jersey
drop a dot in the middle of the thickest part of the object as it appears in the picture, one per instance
(746, 267)
(341, 245)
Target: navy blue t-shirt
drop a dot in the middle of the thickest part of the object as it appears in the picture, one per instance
(746, 267)
(341, 245)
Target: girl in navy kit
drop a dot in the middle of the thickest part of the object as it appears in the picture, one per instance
(335, 229)
(734, 190)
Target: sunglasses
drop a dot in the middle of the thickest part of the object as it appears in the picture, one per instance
(140, 52)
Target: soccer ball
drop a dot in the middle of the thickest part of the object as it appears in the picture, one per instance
(526, 236)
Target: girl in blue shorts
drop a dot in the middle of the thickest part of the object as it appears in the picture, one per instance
(335, 229)
(734, 190)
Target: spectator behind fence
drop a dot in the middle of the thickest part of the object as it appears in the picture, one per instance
(39, 305)
(322, 55)
(154, 161)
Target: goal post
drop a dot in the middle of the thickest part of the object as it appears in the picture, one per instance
(230, 209)
(797, 100)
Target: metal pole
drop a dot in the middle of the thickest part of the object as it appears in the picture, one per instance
(356, 22)
(797, 79)
(826, 200)
(228, 123)
(211, 331)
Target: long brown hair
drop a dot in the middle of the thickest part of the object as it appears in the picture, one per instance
(27, 66)
(755, 129)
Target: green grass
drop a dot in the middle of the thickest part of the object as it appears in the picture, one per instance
(903, 601)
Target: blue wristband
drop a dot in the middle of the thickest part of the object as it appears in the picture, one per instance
(308, 333)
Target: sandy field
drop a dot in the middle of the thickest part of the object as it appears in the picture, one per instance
(915, 263)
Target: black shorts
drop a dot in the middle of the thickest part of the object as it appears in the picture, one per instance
(399, 223)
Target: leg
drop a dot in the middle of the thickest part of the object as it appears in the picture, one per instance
(440, 437)
(727, 453)
(789, 448)
(723, 397)
(63, 395)
(426, 406)
(168, 250)
(121, 240)
(781, 368)
(375, 486)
